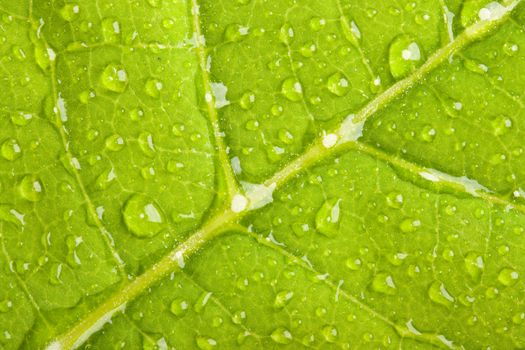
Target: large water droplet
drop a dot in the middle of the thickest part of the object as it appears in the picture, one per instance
(292, 89)
(281, 336)
(350, 31)
(328, 217)
(384, 283)
(142, 216)
(404, 56)
(439, 294)
(114, 78)
(31, 188)
(11, 150)
(338, 84)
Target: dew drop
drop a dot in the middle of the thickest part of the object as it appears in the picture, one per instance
(404, 56)
(384, 283)
(475, 66)
(292, 89)
(105, 179)
(338, 84)
(286, 34)
(330, 333)
(153, 87)
(409, 225)
(282, 299)
(510, 48)
(308, 49)
(70, 12)
(11, 150)
(281, 335)
(110, 30)
(394, 200)
(205, 343)
(327, 218)
(201, 302)
(350, 31)
(501, 125)
(21, 119)
(178, 307)
(115, 143)
(31, 188)
(317, 23)
(286, 136)
(143, 217)
(114, 78)
(508, 277)
(146, 144)
(247, 100)
(234, 32)
(439, 294)
(474, 265)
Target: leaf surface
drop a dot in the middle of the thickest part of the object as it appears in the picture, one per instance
(262, 174)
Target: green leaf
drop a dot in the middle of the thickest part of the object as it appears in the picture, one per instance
(184, 174)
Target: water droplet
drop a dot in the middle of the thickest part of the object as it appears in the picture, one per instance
(353, 264)
(31, 188)
(111, 30)
(501, 125)
(281, 336)
(168, 23)
(276, 110)
(178, 307)
(439, 294)
(286, 34)
(328, 217)
(285, 136)
(475, 66)
(205, 343)
(338, 84)
(384, 283)
(404, 56)
(508, 277)
(146, 144)
(201, 302)
(330, 333)
(474, 265)
(55, 273)
(114, 78)
(142, 216)
(105, 179)
(247, 100)
(428, 133)
(70, 12)
(115, 143)
(11, 150)
(308, 49)
(317, 23)
(292, 89)
(154, 3)
(153, 88)
(394, 200)
(409, 225)
(282, 299)
(234, 32)
(217, 322)
(510, 49)
(239, 317)
(21, 119)
(136, 114)
(350, 31)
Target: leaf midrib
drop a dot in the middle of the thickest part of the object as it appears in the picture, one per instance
(218, 224)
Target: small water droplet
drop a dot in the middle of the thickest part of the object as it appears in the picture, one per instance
(115, 143)
(282, 299)
(153, 88)
(205, 343)
(178, 307)
(21, 119)
(327, 218)
(143, 216)
(501, 125)
(70, 12)
(11, 150)
(474, 265)
(146, 144)
(475, 66)
(247, 100)
(285, 136)
(404, 56)
(235, 32)
(350, 31)
(338, 84)
(308, 49)
(239, 317)
(201, 302)
(286, 34)
(317, 23)
(508, 277)
(292, 89)
(281, 335)
(439, 294)
(105, 179)
(114, 78)
(510, 48)
(394, 200)
(384, 283)
(330, 333)
(111, 30)
(31, 188)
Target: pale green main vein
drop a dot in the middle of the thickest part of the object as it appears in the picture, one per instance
(220, 222)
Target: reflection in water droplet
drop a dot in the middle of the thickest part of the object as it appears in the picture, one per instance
(281, 336)
(143, 217)
(31, 188)
(114, 78)
(292, 89)
(404, 56)
(11, 150)
(327, 218)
